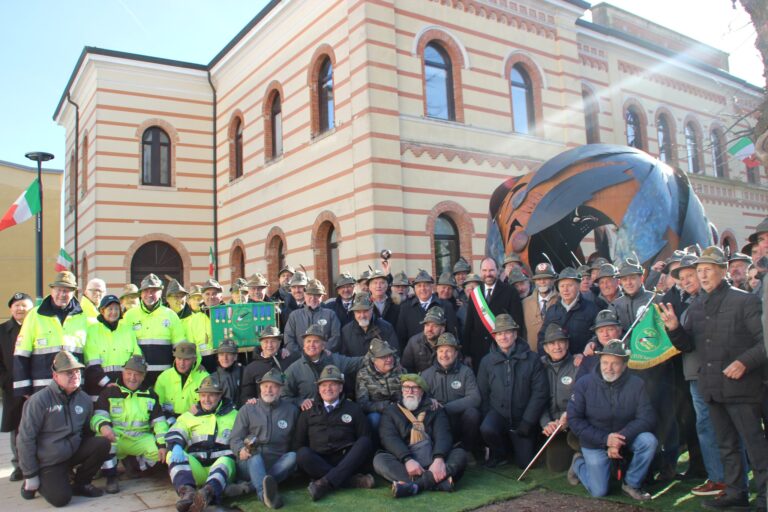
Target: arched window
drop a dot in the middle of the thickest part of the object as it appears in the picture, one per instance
(156, 157)
(238, 263)
(71, 198)
(158, 258)
(634, 128)
(665, 138)
(692, 148)
(238, 148)
(718, 153)
(446, 241)
(325, 96)
(438, 80)
(84, 174)
(332, 250)
(591, 121)
(522, 100)
(276, 125)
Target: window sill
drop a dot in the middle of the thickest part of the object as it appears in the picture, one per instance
(157, 187)
(274, 160)
(323, 135)
(443, 121)
(236, 180)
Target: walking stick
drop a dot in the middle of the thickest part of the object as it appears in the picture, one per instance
(535, 457)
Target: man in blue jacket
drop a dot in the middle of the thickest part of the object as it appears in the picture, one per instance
(611, 415)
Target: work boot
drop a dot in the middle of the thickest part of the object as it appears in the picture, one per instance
(318, 489)
(572, 477)
(87, 490)
(112, 486)
(361, 481)
(186, 495)
(270, 497)
(202, 499)
(446, 485)
(635, 493)
(404, 489)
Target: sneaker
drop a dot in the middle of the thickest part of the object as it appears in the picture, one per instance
(572, 477)
(269, 491)
(112, 486)
(318, 489)
(186, 496)
(87, 490)
(727, 502)
(635, 493)
(16, 476)
(446, 485)
(361, 481)
(404, 489)
(708, 488)
(202, 499)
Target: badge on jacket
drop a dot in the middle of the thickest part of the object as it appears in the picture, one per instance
(456, 384)
(346, 418)
(566, 380)
(78, 409)
(282, 424)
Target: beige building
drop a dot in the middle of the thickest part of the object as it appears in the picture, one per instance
(327, 131)
(18, 255)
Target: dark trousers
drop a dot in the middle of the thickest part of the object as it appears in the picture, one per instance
(393, 470)
(560, 451)
(54, 480)
(659, 384)
(465, 426)
(495, 432)
(734, 421)
(335, 467)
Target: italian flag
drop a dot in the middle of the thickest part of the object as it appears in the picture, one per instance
(743, 149)
(211, 262)
(63, 261)
(24, 208)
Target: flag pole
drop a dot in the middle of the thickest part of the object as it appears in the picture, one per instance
(39, 157)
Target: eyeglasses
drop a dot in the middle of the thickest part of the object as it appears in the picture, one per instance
(410, 389)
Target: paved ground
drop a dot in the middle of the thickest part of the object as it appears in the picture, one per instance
(141, 494)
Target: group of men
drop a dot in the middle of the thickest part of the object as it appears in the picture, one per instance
(410, 379)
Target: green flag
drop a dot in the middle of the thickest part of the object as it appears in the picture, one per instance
(649, 343)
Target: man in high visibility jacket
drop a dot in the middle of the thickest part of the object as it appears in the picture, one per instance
(177, 387)
(212, 293)
(197, 326)
(200, 455)
(157, 328)
(130, 417)
(58, 323)
(109, 344)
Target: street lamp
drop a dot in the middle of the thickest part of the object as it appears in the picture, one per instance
(39, 157)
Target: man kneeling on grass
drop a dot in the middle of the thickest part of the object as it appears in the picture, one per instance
(417, 438)
(611, 414)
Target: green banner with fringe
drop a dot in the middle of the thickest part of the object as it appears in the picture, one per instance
(649, 342)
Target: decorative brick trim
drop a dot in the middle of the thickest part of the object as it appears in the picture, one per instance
(320, 231)
(461, 217)
(465, 156)
(273, 89)
(173, 135)
(186, 259)
(690, 118)
(454, 50)
(593, 57)
(515, 15)
(323, 51)
(236, 260)
(537, 85)
(666, 81)
(237, 116)
(640, 111)
(672, 133)
(274, 238)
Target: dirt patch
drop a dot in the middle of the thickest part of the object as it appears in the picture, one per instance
(540, 499)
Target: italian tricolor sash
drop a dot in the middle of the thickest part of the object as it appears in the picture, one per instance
(483, 311)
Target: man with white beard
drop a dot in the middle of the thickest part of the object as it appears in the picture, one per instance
(611, 414)
(417, 443)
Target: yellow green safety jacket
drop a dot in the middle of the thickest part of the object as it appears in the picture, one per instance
(89, 308)
(130, 413)
(106, 351)
(205, 435)
(176, 397)
(41, 337)
(156, 331)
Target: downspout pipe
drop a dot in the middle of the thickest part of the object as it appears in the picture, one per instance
(76, 181)
(215, 187)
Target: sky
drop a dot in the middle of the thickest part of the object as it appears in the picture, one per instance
(41, 41)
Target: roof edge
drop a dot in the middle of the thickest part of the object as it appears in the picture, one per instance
(240, 35)
(5, 163)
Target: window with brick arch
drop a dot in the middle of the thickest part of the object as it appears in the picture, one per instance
(155, 157)
(71, 197)
(438, 80)
(84, 176)
(692, 148)
(238, 148)
(634, 129)
(665, 139)
(238, 263)
(591, 122)
(717, 142)
(332, 250)
(523, 118)
(446, 243)
(326, 114)
(276, 126)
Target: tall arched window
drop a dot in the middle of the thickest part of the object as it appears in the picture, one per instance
(238, 263)
(522, 100)
(634, 128)
(156, 157)
(438, 80)
(332, 250)
(591, 121)
(665, 138)
(446, 241)
(692, 148)
(84, 174)
(718, 152)
(325, 96)
(276, 124)
(238, 148)
(71, 198)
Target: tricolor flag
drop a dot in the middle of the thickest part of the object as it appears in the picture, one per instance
(63, 261)
(743, 149)
(25, 207)
(211, 262)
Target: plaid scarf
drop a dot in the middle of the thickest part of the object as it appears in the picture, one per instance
(417, 430)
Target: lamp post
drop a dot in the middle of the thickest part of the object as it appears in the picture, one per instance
(39, 157)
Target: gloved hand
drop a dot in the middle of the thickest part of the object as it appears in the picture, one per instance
(177, 454)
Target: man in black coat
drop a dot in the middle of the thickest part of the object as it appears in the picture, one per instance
(418, 448)
(723, 324)
(268, 356)
(342, 303)
(387, 306)
(500, 298)
(19, 304)
(573, 313)
(357, 335)
(413, 310)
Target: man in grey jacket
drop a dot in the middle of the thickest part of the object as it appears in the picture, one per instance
(51, 442)
(261, 439)
(312, 313)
